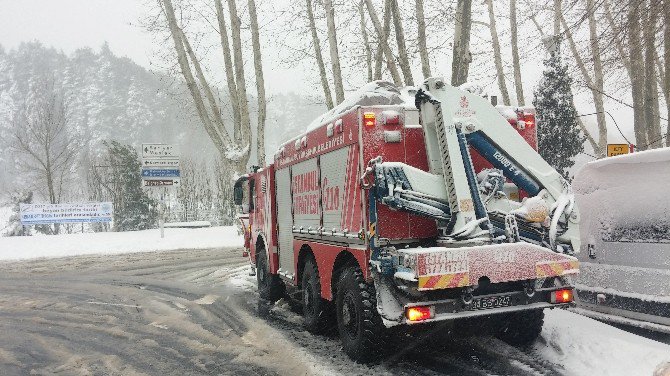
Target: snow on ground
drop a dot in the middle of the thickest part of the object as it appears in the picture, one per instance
(27, 247)
(588, 347)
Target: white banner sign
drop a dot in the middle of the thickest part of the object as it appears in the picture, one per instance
(36, 214)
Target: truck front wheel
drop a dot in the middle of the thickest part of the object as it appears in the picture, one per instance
(358, 321)
(270, 286)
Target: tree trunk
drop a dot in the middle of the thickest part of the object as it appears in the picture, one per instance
(502, 85)
(461, 52)
(402, 49)
(666, 61)
(587, 79)
(625, 60)
(235, 25)
(334, 54)
(558, 11)
(598, 75)
(228, 64)
(518, 84)
(319, 58)
(637, 78)
(260, 84)
(421, 39)
(379, 53)
(388, 54)
(366, 41)
(653, 123)
(175, 32)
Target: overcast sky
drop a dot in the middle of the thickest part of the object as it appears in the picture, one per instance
(71, 24)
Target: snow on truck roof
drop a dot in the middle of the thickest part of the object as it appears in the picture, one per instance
(375, 93)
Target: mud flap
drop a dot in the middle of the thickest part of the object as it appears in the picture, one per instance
(389, 307)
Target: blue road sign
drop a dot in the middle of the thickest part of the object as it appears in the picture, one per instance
(160, 173)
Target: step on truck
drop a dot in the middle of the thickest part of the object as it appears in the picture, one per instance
(377, 217)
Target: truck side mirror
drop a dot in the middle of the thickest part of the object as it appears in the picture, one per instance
(238, 194)
(238, 190)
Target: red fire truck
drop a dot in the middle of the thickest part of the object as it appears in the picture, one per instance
(388, 214)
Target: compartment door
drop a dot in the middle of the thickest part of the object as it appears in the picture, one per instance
(284, 220)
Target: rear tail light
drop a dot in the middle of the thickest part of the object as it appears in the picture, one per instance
(562, 296)
(529, 119)
(419, 313)
(369, 119)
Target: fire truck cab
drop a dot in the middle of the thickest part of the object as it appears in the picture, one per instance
(387, 213)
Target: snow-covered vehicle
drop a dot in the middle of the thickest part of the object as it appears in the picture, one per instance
(378, 217)
(626, 239)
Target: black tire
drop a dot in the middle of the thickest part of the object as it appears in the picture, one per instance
(360, 326)
(316, 310)
(521, 328)
(270, 286)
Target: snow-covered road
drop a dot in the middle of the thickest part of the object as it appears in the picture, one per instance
(196, 312)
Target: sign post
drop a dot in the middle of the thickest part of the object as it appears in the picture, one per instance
(160, 169)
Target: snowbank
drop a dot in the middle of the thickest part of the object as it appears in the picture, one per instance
(584, 346)
(27, 247)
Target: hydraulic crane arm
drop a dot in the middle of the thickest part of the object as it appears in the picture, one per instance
(454, 120)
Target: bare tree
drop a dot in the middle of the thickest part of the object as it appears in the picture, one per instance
(497, 55)
(260, 83)
(599, 81)
(43, 140)
(334, 54)
(637, 77)
(319, 58)
(400, 40)
(599, 148)
(461, 52)
(651, 107)
(228, 64)
(234, 150)
(383, 42)
(514, 38)
(366, 41)
(421, 39)
(245, 120)
(666, 66)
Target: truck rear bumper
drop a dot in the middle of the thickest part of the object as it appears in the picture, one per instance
(452, 309)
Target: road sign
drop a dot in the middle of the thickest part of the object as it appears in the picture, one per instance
(160, 163)
(162, 183)
(160, 173)
(159, 151)
(617, 149)
(37, 214)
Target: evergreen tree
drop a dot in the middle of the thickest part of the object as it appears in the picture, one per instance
(559, 137)
(133, 208)
(14, 227)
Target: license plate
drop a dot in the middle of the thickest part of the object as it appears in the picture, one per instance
(491, 302)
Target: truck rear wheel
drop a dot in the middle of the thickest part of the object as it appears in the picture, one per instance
(315, 309)
(521, 328)
(358, 321)
(270, 286)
